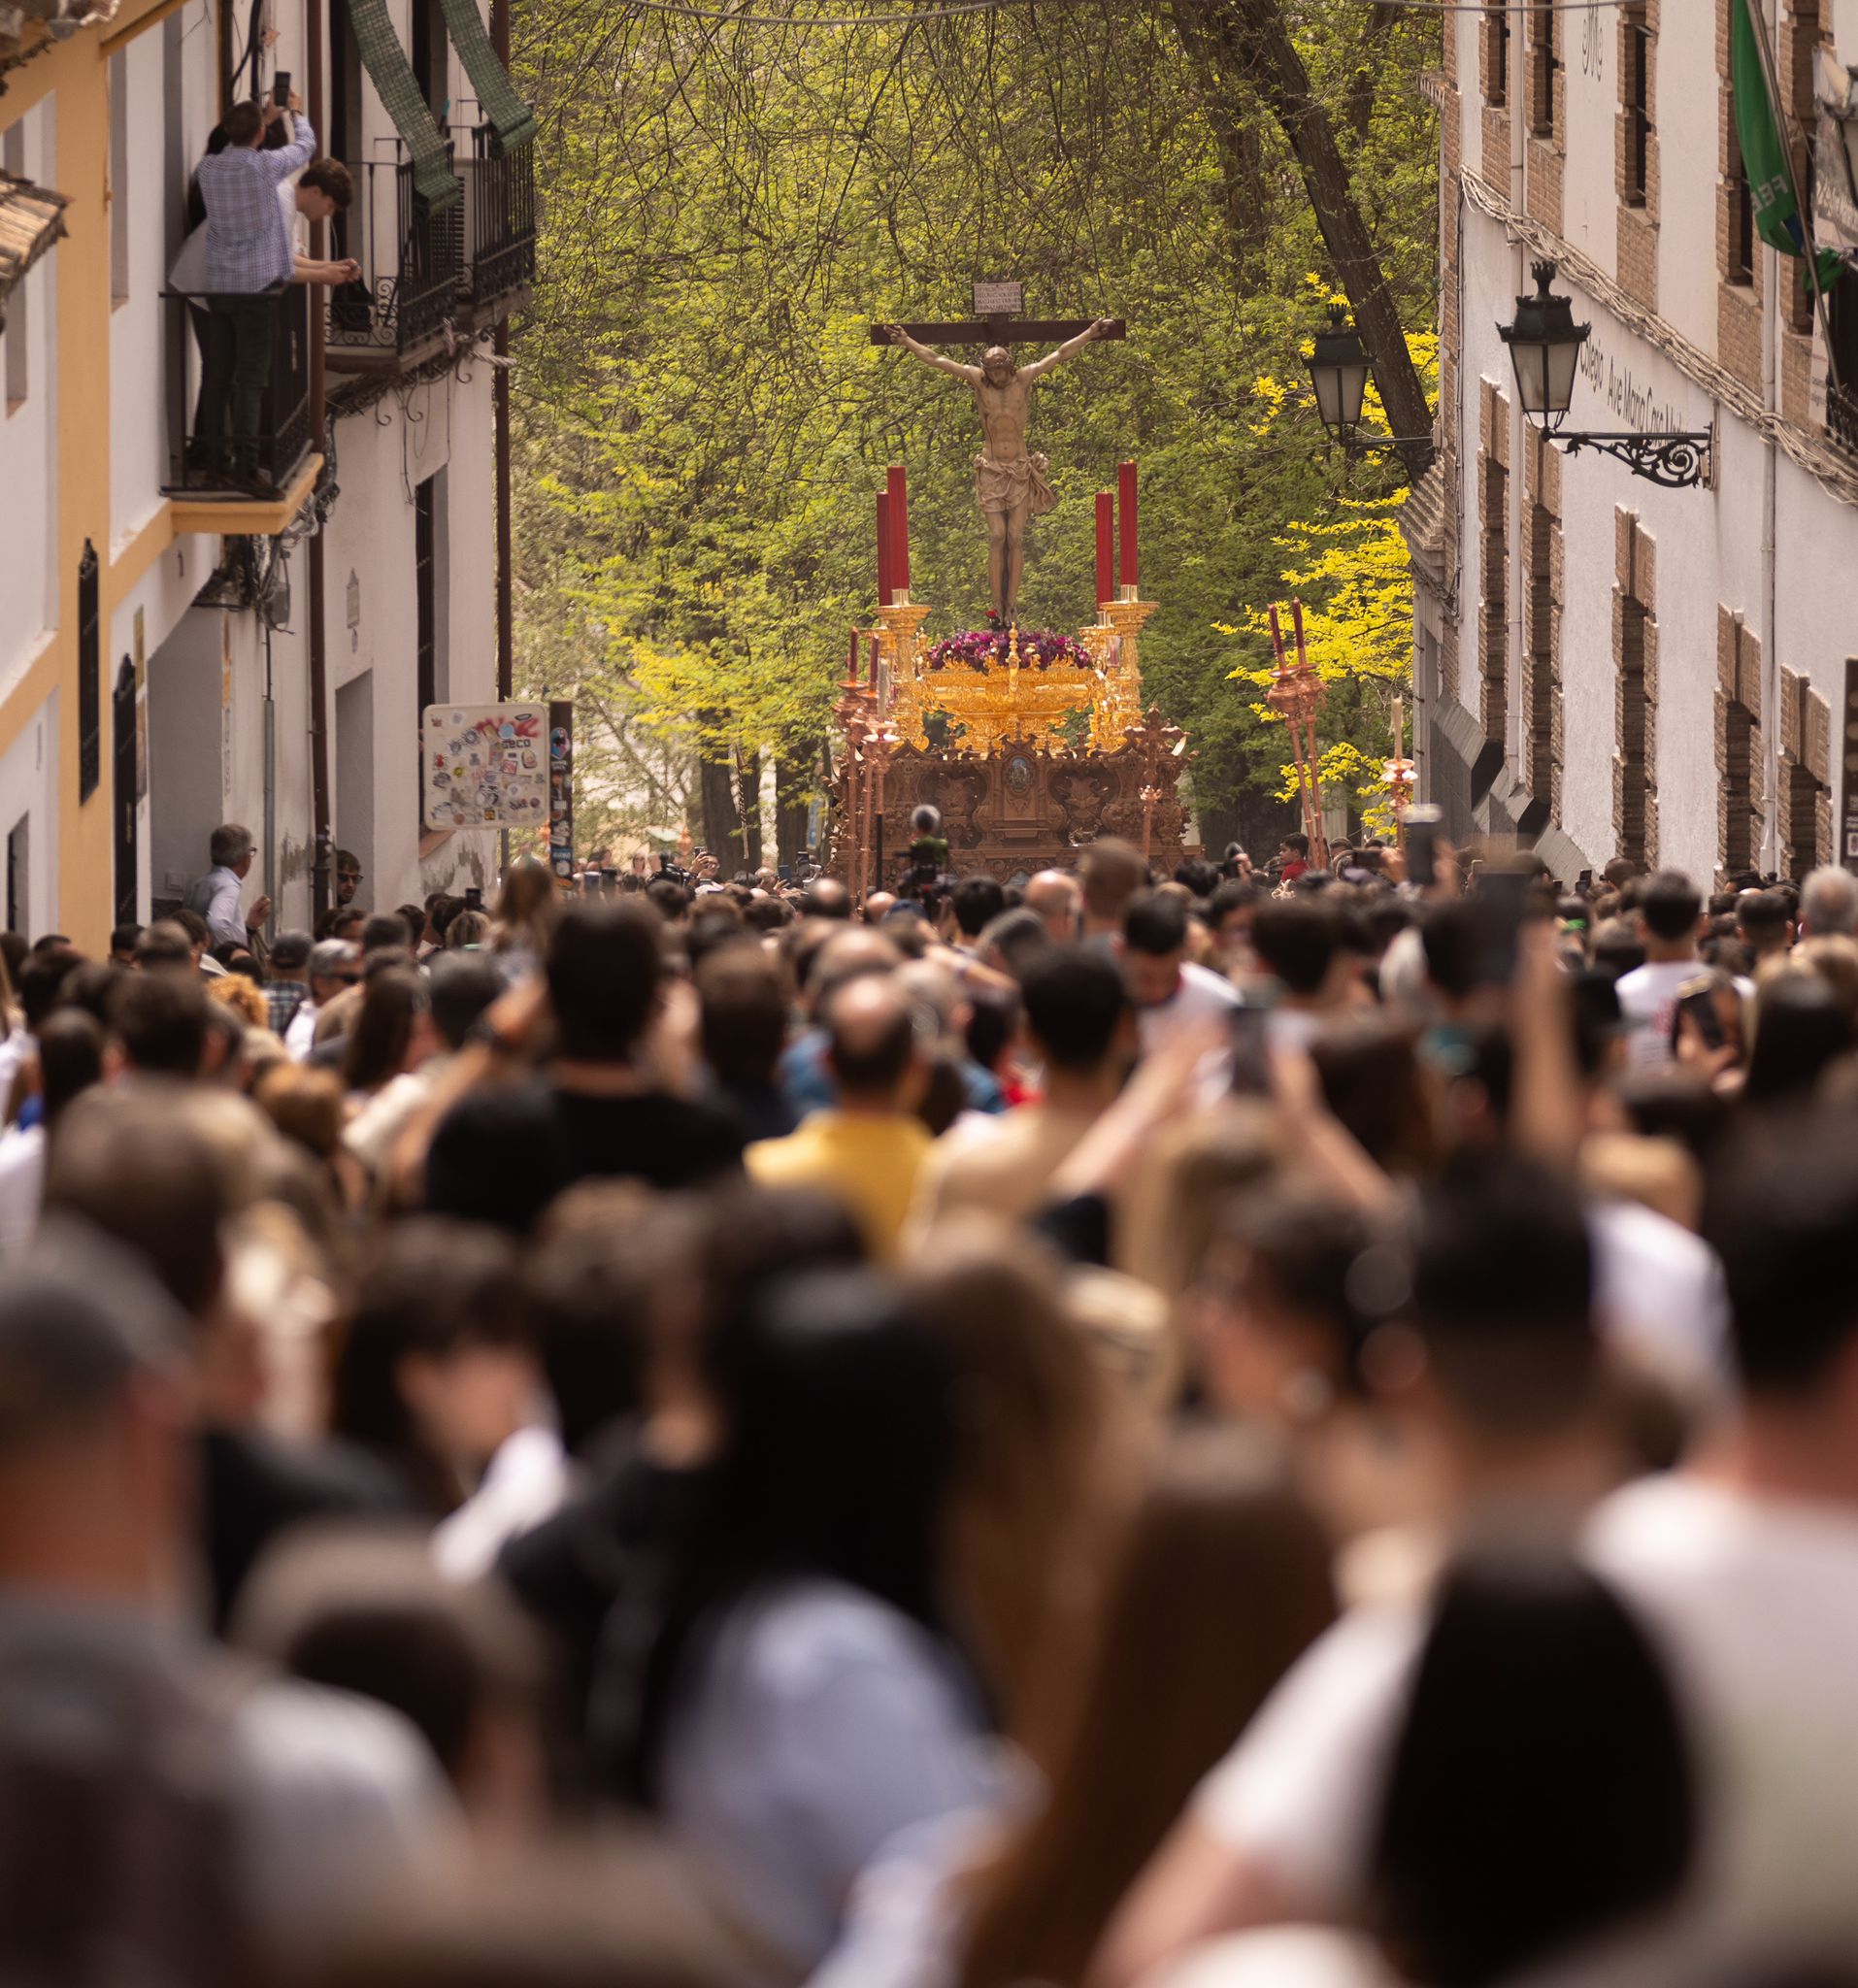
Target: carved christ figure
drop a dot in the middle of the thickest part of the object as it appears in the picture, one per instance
(1010, 483)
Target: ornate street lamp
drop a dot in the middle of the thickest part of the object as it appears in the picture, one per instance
(1544, 348)
(1338, 369)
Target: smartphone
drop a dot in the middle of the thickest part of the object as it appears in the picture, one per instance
(1250, 1056)
(280, 89)
(1701, 1007)
(1423, 824)
(1497, 910)
(474, 897)
(785, 872)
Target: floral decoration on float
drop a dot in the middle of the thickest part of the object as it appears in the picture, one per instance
(982, 650)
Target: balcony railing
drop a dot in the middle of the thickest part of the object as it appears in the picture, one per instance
(205, 458)
(412, 262)
(499, 216)
(1842, 416)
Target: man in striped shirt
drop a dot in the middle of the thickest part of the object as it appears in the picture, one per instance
(248, 258)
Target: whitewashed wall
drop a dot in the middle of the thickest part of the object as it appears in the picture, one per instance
(445, 425)
(29, 789)
(28, 430)
(1709, 539)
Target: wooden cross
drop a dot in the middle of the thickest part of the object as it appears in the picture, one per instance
(997, 322)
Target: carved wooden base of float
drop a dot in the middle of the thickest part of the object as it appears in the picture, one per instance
(1021, 809)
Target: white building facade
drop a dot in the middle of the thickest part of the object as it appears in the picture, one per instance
(1616, 666)
(133, 715)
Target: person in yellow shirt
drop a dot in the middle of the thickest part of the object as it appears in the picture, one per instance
(866, 1151)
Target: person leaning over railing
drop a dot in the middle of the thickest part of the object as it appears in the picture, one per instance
(249, 256)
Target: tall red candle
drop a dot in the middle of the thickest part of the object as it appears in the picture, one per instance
(887, 586)
(1105, 548)
(899, 490)
(1126, 503)
(852, 659)
(873, 662)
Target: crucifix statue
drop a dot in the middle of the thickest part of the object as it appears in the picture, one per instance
(1010, 483)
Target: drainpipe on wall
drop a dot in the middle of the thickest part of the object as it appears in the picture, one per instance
(500, 407)
(269, 785)
(500, 401)
(323, 848)
(1769, 660)
(1516, 97)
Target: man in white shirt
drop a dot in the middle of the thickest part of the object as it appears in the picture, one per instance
(1746, 1575)
(1669, 916)
(214, 897)
(1169, 992)
(334, 964)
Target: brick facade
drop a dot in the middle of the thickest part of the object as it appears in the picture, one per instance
(1635, 653)
(1450, 332)
(1542, 578)
(1493, 539)
(1803, 25)
(1737, 297)
(1497, 87)
(1805, 776)
(1545, 112)
(1738, 748)
(1636, 253)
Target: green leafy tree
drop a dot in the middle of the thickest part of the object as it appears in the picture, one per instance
(704, 421)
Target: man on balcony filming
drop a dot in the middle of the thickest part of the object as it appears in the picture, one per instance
(249, 259)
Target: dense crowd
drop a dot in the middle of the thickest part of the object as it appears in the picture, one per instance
(1280, 1429)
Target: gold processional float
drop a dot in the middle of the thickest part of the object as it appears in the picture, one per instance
(1032, 743)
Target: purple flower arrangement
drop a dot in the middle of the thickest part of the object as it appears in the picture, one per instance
(988, 648)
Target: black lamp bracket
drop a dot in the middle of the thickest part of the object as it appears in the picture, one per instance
(1674, 460)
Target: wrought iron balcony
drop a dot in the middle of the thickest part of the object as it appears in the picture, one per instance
(206, 458)
(499, 216)
(1842, 416)
(412, 263)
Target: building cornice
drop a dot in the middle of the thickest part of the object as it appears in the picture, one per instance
(1829, 466)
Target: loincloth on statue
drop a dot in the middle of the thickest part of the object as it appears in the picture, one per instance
(1007, 486)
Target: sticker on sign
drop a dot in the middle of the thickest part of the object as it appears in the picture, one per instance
(999, 299)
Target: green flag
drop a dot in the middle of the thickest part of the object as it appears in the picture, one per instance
(1776, 216)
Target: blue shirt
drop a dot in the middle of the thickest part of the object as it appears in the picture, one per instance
(248, 244)
(215, 897)
(804, 1078)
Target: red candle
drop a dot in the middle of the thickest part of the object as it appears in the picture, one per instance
(899, 488)
(873, 662)
(1126, 503)
(885, 585)
(1105, 548)
(852, 659)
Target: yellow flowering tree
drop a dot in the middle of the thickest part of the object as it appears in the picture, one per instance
(1352, 573)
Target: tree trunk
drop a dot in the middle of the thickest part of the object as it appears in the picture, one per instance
(721, 824)
(747, 798)
(1240, 44)
(793, 783)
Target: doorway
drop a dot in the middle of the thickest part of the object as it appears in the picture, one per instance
(19, 877)
(122, 788)
(355, 768)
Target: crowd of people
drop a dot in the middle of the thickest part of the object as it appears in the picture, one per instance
(1294, 1430)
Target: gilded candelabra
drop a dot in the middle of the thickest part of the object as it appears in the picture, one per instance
(1297, 694)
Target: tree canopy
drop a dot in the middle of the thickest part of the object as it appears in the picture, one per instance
(704, 421)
